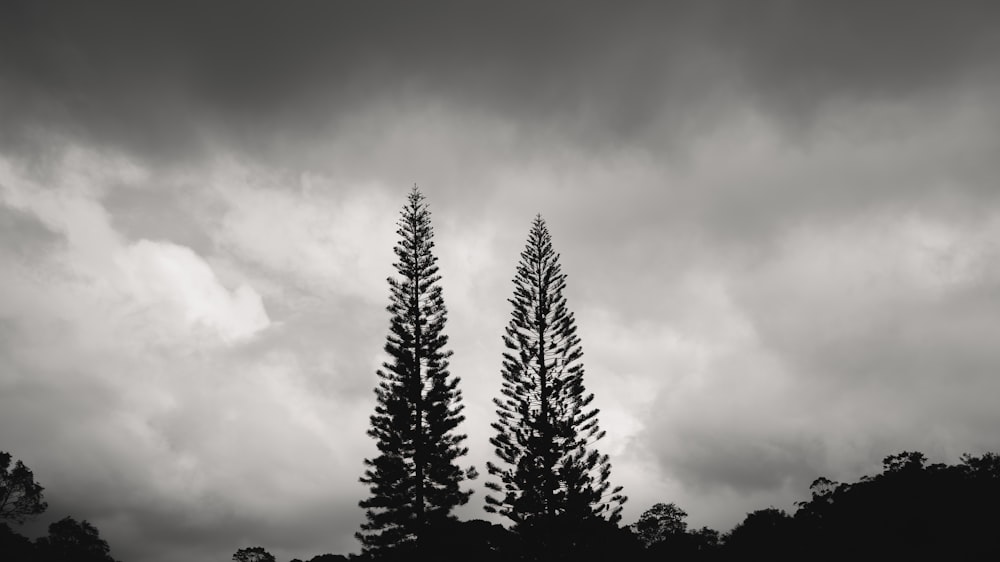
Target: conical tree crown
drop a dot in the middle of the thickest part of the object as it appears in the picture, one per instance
(414, 480)
(546, 430)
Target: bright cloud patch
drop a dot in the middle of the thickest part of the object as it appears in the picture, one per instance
(329, 243)
(180, 288)
(159, 291)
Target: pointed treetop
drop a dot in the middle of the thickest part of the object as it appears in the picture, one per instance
(539, 228)
(415, 197)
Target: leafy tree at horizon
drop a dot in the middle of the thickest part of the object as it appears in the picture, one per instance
(553, 482)
(253, 554)
(72, 540)
(660, 522)
(20, 496)
(414, 481)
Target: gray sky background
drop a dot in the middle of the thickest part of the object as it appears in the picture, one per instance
(779, 220)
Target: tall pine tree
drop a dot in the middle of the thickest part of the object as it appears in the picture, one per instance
(415, 481)
(552, 479)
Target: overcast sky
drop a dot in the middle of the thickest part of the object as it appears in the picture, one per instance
(780, 223)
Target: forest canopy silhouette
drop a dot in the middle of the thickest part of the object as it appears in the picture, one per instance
(909, 510)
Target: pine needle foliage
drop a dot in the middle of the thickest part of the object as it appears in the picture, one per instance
(552, 477)
(415, 480)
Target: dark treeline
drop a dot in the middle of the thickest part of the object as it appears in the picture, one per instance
(68, 540)
(911, 510)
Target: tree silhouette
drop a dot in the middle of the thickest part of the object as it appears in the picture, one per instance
(660, 522)
(414, 481)
(552, 480)
(70, 540)
(20, 495)
(253, 554)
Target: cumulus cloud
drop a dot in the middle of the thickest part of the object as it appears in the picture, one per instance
(164, 291)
